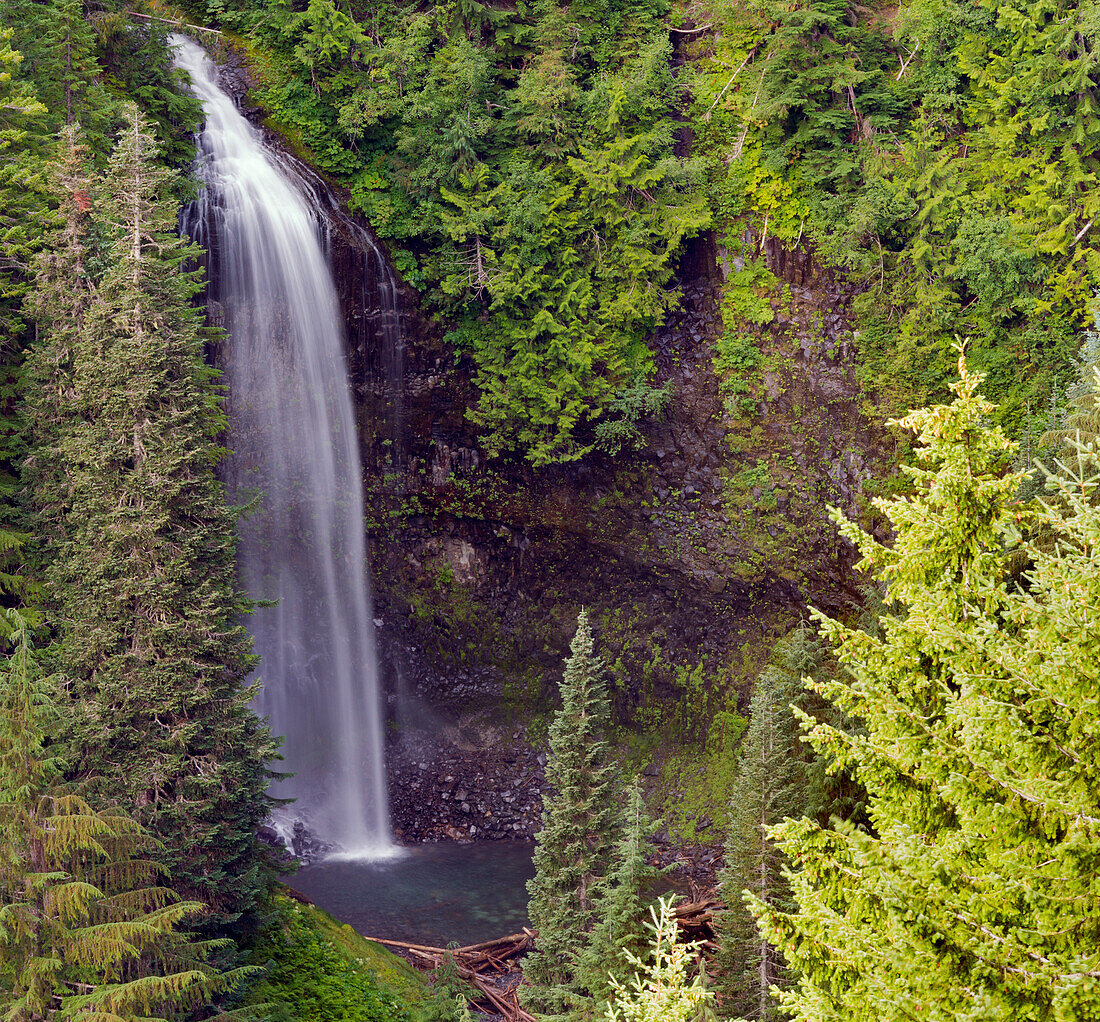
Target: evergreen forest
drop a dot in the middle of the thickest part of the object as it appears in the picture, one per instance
(723, 380)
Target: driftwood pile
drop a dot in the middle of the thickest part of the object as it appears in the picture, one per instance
(492, 967)
(696, 922)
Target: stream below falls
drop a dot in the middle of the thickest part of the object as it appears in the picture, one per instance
(429, 894)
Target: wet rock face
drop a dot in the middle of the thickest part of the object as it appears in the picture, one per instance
(689, 554)
(299, 848)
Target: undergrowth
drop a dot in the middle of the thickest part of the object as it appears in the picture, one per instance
(321, 971)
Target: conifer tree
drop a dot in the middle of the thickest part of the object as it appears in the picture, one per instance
(85, 927)
(619, 908)
(21, 167)
(23, 148)
(58, 303)
(579, 821)
(59, 44)
(659, 990)
(975, 895)
(1082, 420)
(772, 784)
(139, 542)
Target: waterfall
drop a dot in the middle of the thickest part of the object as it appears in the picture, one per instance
(294, 450)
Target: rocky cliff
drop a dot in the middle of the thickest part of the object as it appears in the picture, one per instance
(692, 554)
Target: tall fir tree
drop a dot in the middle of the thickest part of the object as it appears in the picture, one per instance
(619, 909)
(87, 930)
(580, 817)
(772, 783)
(22, 165)
(58, 303)
(975, 894)
(138, 539)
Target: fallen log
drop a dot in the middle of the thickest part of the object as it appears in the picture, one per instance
(298, 896)
(408, 947)
(478, 964)
(692, 908)
(694, 918)
(486, 944)
(488, 956)
(178, 22)
(512, 1012)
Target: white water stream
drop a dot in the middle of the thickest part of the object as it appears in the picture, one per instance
(293, 444)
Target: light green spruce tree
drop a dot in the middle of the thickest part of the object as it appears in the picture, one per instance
(659, 990)
(580, 818)
(975, 894)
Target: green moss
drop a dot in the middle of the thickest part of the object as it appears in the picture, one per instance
(319, 970)
(696, 784)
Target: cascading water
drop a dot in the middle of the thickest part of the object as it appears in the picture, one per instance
(293, 445)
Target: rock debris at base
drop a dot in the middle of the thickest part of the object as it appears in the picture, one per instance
(463, 784)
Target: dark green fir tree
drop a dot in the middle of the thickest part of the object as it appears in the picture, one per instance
(137, 537)
(771, 785)
(620, 909)
(580, 820)
(87, 929)
(59, 43)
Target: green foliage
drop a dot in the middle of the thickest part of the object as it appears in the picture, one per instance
(314, 976)
(640, 400)
(86, 930)
(137, 67)
(579, 824)
(57, 65)
(1081, 424)
(619, 908)
(133, 529)
(942, 154)
(660, 990)
(450, 992)
(58, 45)
(21, 165)
(523, 161)
(737, 358)
(974, 894)
(697, 783)
(772, 784)
(86, 60)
